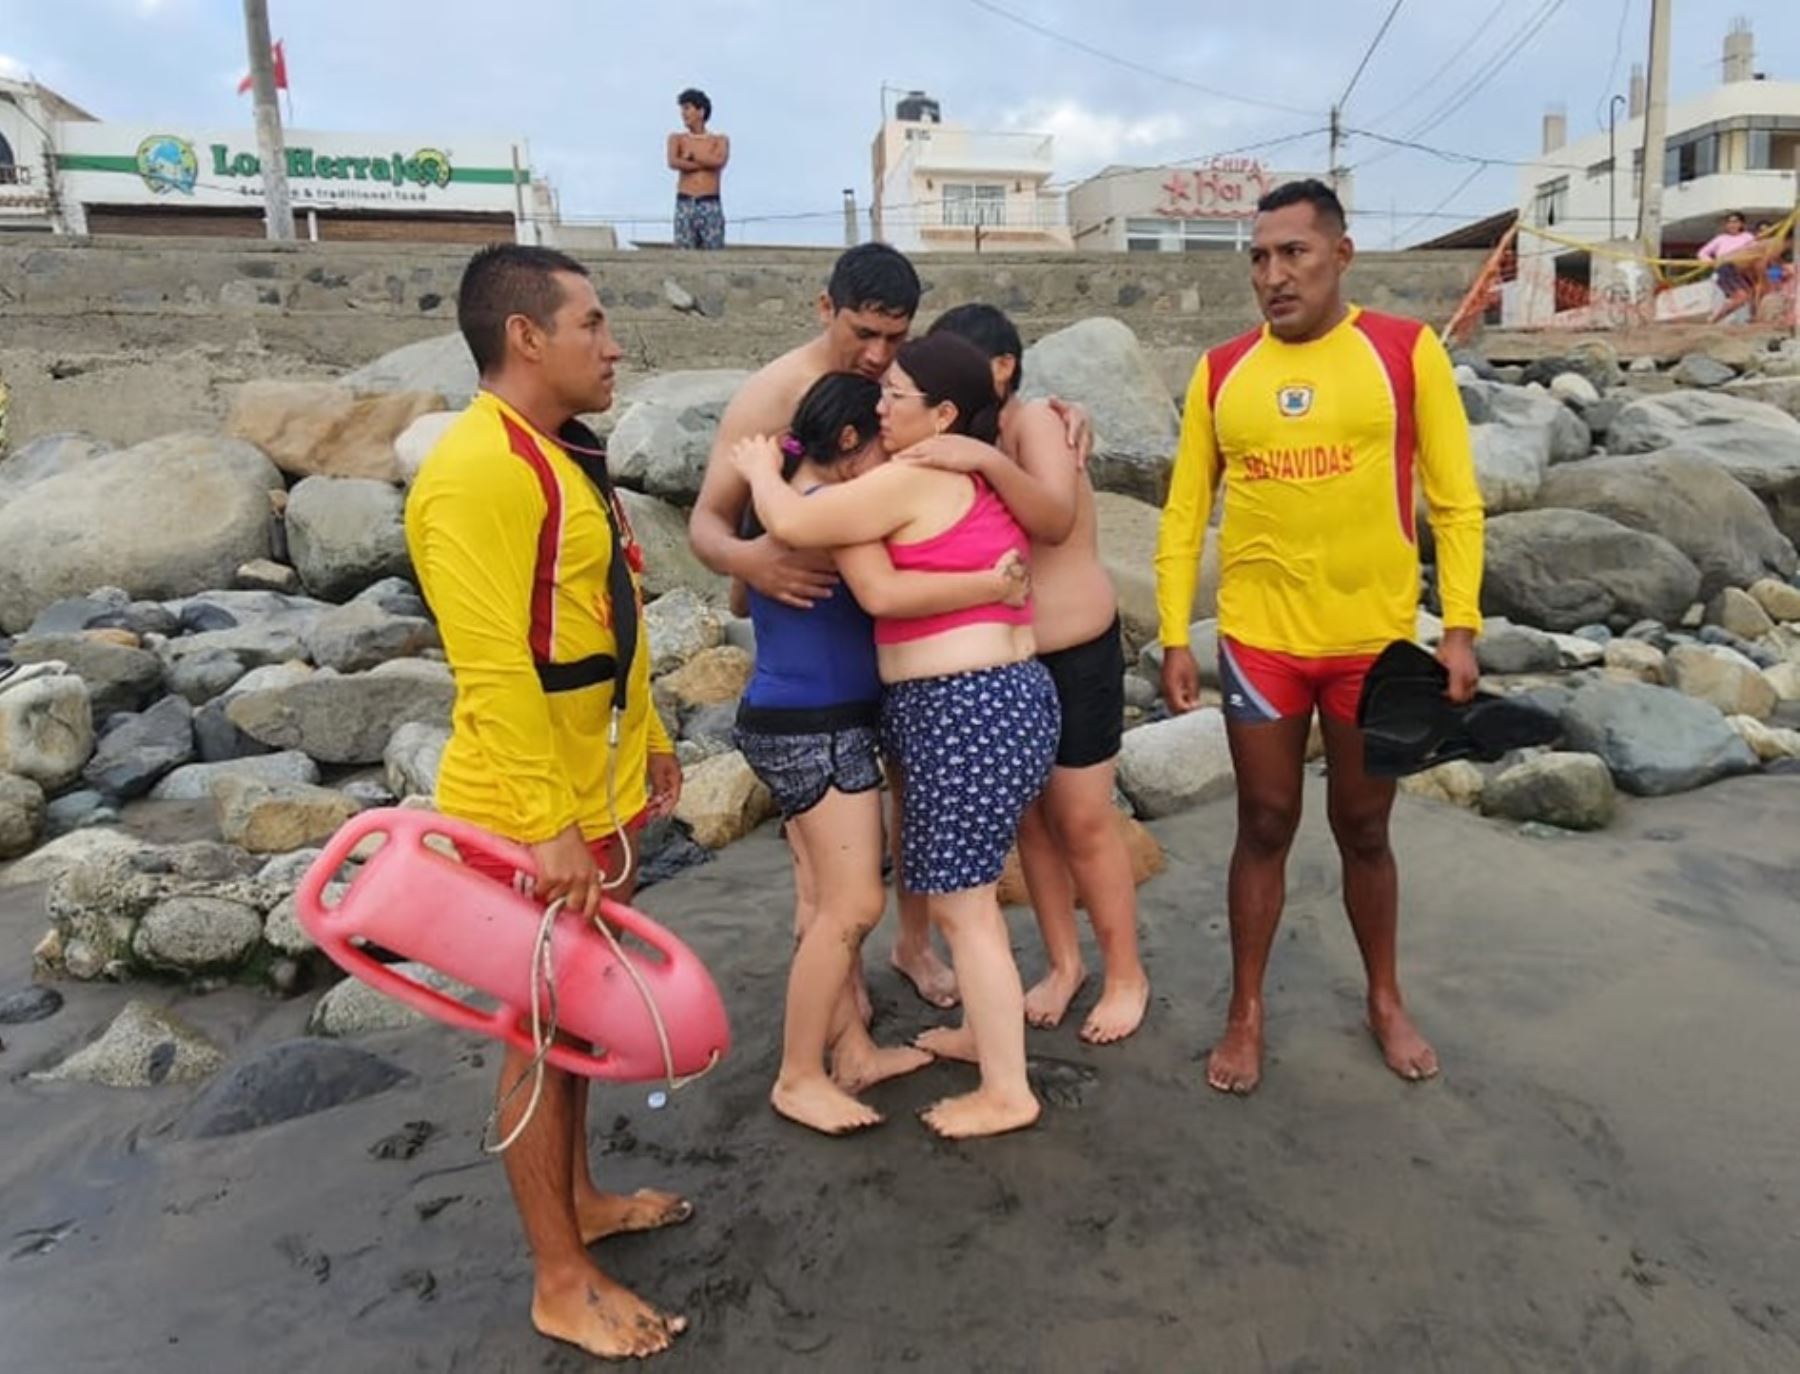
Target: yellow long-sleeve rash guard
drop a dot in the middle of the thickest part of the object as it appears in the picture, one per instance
(1318, 446)
(480, 521)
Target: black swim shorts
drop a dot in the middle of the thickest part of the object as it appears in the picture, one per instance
(1090, 684)
(800, 754)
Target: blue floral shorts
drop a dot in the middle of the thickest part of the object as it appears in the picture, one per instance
(975, 749)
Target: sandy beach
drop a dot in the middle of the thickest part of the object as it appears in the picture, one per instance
(1603, 1179)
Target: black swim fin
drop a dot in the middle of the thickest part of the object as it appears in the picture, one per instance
(1409, 725)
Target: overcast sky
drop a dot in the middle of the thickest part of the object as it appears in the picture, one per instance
(797, 83)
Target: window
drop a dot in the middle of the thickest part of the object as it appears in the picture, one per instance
(1773, 149)
(1552, 203)
(1691, 158)
(9, 171)
(1186, 235)
(981, 203)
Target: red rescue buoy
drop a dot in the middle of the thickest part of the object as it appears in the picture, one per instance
(427, 907)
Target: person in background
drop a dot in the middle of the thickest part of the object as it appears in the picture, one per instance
(1730, 277)
(698, 157)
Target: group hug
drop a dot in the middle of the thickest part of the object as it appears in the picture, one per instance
(916, 546)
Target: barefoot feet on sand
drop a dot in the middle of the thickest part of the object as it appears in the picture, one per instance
(980, 1113)
(949, 1042)
(930, 976)
(1405, 1050)
(821, 1104)
(609, 1214)
(1235, 1064)
(1048, 1001)
(854, 1070)
(587, 1309)
(1118, 1013)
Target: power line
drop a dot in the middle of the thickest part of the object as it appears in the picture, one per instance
(1496, 65)
(1129, 65)
(1449, 62)
(1374, 43)
(1509, 48)
(1612, 68)
(1435, 210)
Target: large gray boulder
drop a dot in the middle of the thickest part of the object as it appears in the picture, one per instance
(1510, 464)
(1574, 791)
(21, 815)
(1126, 529)
(1532, 410)
(345, 533)
(134, 755)
(679, 626)
(665, 433)
(285, 1082)
(143, 1047)
(412, 759)
(1654, 741)
(1561, 569)
(46, 729)
(442, 365)
(198, 781)
(1756, 443)
(1724, 678)
(167, 518)
(669, 561)
(1692, 502)
(49, 455)
(345, 718)
(192, 934)
(1176, 763)
(1100, 364)
(118, 677)
(360, 635)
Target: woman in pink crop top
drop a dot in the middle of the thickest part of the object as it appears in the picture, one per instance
(969, 712)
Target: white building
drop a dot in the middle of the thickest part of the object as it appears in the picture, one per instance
(29, 115)
(943, 187)
(1731, 148)
(63, 171)
(1204, 205)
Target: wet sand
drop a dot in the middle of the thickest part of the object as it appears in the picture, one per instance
(1604, 1178)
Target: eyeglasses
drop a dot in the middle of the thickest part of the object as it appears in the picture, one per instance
(894, 393)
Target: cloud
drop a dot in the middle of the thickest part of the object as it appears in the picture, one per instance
(1087, 138)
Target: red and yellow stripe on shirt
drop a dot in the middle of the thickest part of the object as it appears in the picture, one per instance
(1318, 448)
(512, 548)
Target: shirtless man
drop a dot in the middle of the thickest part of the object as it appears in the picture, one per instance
(1070, 841)
(865, 313)
(698, 157)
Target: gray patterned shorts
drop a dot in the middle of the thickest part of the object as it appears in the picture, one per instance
(800, 755)
(699, 222)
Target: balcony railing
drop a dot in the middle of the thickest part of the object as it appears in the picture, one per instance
(12, 174)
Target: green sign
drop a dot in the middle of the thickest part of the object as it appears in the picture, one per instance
(427, 167)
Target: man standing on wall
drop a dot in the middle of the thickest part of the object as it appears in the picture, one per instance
(1317, 427)
(698, 158)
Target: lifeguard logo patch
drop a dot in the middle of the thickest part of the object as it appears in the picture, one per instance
(1294, 400)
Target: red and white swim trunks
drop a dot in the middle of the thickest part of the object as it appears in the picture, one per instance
(1264, 685)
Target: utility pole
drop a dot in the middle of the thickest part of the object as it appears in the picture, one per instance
(1331, 160)
(1656, 127)
(278, 211)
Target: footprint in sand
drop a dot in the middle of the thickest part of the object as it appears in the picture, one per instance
(1060, 1082)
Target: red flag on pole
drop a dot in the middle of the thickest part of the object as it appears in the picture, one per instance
(281, 81)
